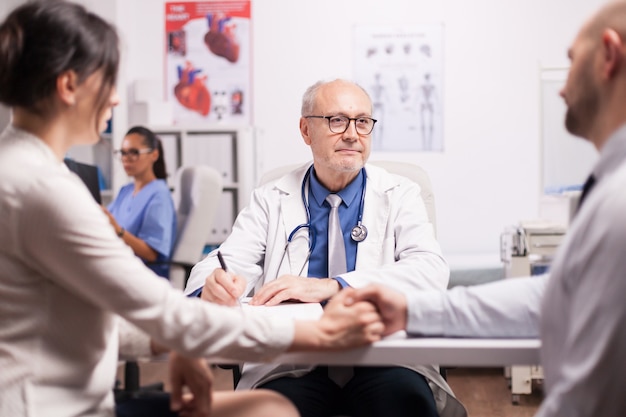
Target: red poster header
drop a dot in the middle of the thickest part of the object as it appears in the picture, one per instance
(179, 13)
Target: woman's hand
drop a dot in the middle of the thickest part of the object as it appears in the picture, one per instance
(195, 374)
(341, 325)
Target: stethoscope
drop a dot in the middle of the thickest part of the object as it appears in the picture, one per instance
(358, 232)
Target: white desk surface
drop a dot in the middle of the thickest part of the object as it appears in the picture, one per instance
(416, 351)
(398, 349)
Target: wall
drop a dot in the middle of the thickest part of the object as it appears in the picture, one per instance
(489, 175)
(7, 5)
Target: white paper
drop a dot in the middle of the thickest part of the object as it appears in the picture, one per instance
(298, 311)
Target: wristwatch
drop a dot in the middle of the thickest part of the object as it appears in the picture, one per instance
(121, 232)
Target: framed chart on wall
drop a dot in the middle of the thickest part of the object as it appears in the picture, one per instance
(567, 160)
(207, 61)
(401, 67)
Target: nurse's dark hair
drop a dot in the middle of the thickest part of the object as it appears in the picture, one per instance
(41, 40)
(151, 140)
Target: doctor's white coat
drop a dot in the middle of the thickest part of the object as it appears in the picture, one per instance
(400, 251)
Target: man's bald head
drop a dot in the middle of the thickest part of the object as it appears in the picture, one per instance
(596, 84)
(611, 16)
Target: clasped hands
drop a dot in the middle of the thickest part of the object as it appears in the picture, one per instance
(352, 317)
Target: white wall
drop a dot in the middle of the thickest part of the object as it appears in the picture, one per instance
(489, 175)
(7, 5)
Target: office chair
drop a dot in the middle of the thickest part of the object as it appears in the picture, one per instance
(416, 174)
(196, 195)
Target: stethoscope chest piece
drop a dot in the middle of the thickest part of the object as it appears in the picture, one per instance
(358, 233)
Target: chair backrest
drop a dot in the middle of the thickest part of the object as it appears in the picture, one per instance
(197, 195)
(416, 174)
(409, 170)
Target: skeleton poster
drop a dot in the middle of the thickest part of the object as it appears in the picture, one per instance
(401, 67)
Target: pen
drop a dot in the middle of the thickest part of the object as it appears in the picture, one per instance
(222, 262)
(225, 268)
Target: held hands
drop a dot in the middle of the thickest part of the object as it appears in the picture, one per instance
(342, 325)
(196, 375)
(223, 288)
(292, 287)
(390, 304)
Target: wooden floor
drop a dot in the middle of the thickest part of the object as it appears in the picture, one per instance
(483, 391)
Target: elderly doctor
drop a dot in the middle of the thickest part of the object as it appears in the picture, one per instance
(279, 249)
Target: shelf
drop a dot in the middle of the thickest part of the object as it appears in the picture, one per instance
(227, 148)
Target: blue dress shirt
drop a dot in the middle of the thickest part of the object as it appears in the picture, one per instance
(348, 217)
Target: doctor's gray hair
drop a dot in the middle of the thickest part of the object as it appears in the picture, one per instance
(308, 99)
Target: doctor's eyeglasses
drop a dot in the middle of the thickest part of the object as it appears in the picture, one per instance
(339, 124)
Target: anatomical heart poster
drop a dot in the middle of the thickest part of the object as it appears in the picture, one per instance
(208, 61)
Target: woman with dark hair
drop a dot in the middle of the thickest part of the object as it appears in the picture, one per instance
(69, 285)
(143, 213)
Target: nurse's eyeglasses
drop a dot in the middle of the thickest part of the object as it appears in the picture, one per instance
(132, 153)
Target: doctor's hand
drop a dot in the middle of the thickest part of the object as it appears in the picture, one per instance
(343, 325)
(292, 287)
(223, 288)
(196, 376)
(391, 305)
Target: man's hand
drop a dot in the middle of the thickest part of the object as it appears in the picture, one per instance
(391, 305)
(341, 326)
(292, 287)
(196, 375)
(223, 288)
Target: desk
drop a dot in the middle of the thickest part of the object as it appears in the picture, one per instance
(415, 351)
(397, 349)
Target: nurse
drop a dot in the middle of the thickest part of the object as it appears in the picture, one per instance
(143, 213)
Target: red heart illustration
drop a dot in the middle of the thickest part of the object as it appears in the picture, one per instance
(221, 39)
(191, 90)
